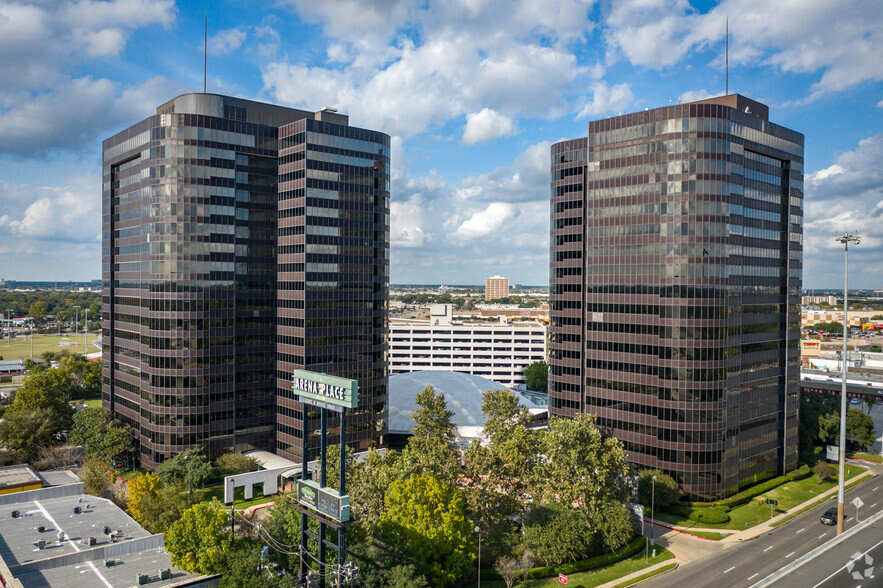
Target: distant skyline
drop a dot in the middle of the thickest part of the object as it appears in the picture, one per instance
(473, 94)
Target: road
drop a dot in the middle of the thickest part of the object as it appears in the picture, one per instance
(742, 564)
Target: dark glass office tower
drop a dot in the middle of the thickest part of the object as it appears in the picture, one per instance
(189, 264)
(675, 280)
(333, 281)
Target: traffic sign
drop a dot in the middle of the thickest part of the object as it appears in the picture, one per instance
(858, 502)
(562, 578)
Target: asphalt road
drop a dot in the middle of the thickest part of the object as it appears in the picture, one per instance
(743, 564)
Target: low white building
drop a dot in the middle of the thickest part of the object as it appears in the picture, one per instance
(497, 351)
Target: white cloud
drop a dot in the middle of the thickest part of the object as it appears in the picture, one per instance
(607, 99)
(484, 222)
(67, 213)
(486, 124)
(846, 196)
(226, 41)
(694, 95)
(75, 113)
(526, 180)
(843, 41)
(880, 104)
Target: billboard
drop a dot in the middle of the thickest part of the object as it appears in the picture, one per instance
(324, 500)
(325, 391)
(832, 453)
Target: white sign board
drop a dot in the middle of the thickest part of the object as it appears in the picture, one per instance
(832, 453)
(858, 502)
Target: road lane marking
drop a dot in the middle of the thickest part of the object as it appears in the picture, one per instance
(790, 554)
(822, 536)
(730, 569)
(873, 505)
(800, 531)
(753, 575)
(874, 489)
(768, 548)
(851, 560)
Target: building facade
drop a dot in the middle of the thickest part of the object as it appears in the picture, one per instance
(190, 211)
(496, 351)
(675, 281)
(496, 287)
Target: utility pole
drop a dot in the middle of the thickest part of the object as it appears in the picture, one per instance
(76, 319)
(845, 240)
(85, 330)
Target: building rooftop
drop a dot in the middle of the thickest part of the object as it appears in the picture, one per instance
(66, 559)
(17, 475)
(463, 393)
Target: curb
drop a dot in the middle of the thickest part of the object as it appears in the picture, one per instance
(684, 532)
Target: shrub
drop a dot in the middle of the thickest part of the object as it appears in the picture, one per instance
(823, 471)
(666, 489)
(230, 464)
(746, 495)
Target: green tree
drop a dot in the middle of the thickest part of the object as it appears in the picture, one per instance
(153, 504)
(102, 437)
(97, 478)
(370, 480)
(537, 376)
(189, 468)
(230, 464)
(431, 448)
(37, 310)
(246, 567)
(28, 431)
(556, 534)
(859, 428)
(812, 407)
(197, 541)
(666, 489)
(613, 527)
(427, 518)
(580, 468)
(827, 327)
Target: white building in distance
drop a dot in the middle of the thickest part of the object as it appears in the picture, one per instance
(496, 351)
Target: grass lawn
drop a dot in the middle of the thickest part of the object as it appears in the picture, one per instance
(91, 403)
(642, 577)
(848, 485)
(21, 346)
(788, 495)
(601, 575)
(709, 535)
(217, 491)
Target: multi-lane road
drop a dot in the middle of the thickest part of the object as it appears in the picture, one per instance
(744, 563)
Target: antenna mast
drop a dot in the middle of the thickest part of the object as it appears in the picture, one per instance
(727, 51)
(205, 54)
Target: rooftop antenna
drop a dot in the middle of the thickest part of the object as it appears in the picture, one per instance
(205, 53)
(727, 52)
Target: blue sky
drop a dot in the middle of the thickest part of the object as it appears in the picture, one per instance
(472, 91)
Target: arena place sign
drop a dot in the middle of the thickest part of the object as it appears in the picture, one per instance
(325, 391)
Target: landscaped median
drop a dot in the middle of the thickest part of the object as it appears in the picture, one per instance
(750, 507)
(589, 572)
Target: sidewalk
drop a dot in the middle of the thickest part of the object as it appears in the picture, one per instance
(624, 579)
(734, 535)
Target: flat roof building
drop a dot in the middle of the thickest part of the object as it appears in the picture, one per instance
(240, 240)
(496, 287)
(675, 282)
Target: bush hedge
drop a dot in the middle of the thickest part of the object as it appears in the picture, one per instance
(709, 515)
(753, 491)
(599, 561)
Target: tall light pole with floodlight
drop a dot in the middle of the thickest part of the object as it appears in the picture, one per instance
(846, 239)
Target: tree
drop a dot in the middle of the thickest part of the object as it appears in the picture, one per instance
(97, 478)
(557, 534)
(509, 569)
(427, 518)
(153, 504)
(870, 401)
(246, 566)
(828, 327)
(37, 310)
(190, 468)
(431, 448)
(230, 464)
(581, 468)
(197, 541)
(103, 437)
(666, 489)
(370, 480)
(859, 428)
(812, 407)
(537, 376)
(28, 431)
(613, 527)
(143, 489)
(823, 470)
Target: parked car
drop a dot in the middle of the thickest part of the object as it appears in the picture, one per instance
(856, 401)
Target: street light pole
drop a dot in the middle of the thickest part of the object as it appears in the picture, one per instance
(478, 530)
(85, 330)
(846, 239)
(652, 504)
(76, 319)
(9, 316)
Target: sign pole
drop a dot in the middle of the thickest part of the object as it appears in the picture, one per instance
(323, 437)
(303, 476)
(341, 555)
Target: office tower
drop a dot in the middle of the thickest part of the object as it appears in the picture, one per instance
(496, 287)
(676, 250)
(189, 268)
(333, 281)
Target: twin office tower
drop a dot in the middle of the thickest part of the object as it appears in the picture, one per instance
(244, 240)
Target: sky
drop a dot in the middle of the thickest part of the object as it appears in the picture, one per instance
(473, 92)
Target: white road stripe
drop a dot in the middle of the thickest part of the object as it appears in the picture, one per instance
(847, 564)
(768, 548)
(800, 531)
(873, 505)
(790, 554)
(753, 575)
(822, 536)
(72, 543)
(728, 570)
(874, 489)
